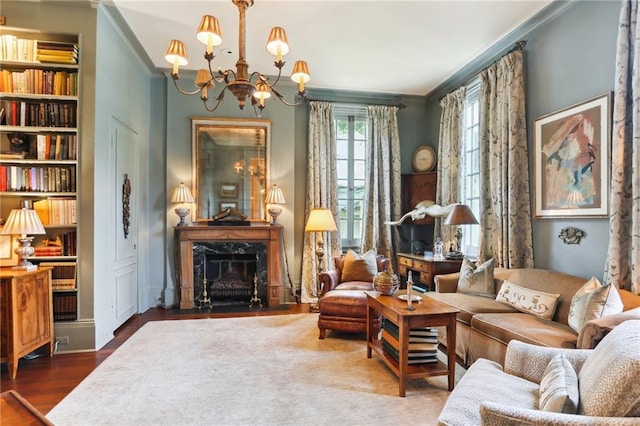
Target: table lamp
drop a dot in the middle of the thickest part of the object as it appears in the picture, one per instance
(182, 195)
(273, 198)
(460, 214)
(22, 222)
(320, 221)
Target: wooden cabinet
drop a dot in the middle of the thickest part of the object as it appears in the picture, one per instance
(26, 321)
(418, 187)
(424, 268)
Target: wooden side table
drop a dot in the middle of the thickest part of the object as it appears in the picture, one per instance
(427, 313)
(26, 318)
(425, 268)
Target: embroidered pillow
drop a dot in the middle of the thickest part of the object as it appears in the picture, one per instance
(524, 299)
(359, 268)
(477, 280)
(559, 387)
(592, 301)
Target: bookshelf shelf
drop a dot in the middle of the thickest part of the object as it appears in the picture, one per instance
(39, 119)
(38, 65)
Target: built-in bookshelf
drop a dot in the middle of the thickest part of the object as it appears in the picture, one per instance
(39, 148)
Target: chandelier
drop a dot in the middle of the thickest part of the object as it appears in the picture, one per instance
(244, 86)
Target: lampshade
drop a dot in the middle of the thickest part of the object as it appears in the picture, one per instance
(278, 45)
(274, 195)
(320, 220)
(209, 32)
(23, 222)
(300, 74)
(176, 50)
(182, 194)
(460, 214)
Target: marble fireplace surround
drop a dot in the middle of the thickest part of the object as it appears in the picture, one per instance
(228, 238)
(230, 269)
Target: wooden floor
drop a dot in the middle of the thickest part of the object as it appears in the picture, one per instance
(46, 381)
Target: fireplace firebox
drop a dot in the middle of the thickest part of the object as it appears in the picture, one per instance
(229, 261)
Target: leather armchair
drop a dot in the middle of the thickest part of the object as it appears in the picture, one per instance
(343, 305)
(330, 280)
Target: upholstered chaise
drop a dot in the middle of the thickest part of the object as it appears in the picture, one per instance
(605, 389)
(343, 304)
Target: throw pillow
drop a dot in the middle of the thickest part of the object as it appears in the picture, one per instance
(592, 301)
(527, 300)
(359, 267)
(559, 387)
(477, 280)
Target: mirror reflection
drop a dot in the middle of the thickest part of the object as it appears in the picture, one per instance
(230, 158)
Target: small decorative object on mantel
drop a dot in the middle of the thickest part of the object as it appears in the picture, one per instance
(571, 235)
(229, 217)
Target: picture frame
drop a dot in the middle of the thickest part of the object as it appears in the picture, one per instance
(571, 160)
(229, 190)
(8, 256)
(228, 205)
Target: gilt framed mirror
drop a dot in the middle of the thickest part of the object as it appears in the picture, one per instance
(229, 163)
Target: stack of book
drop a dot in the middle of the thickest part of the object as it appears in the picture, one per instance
(54, 51)
(63, 275)
(423, 343)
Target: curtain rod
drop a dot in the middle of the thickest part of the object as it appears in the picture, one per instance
(519, 45)
(399, 105)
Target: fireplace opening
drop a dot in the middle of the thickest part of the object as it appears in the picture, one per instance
(229, 273)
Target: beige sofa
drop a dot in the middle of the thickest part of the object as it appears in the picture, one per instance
(603, 387)
(485, 327)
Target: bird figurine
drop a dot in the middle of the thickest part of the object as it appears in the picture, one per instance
(422, 209)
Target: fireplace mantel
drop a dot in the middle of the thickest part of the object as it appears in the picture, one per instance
(186, 236)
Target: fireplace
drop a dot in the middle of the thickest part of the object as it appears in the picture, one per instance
(229, 273)
(234, 258)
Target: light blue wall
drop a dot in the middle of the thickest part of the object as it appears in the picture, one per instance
(570, 58)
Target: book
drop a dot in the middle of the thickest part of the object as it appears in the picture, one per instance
(415, 359)
(422, 348)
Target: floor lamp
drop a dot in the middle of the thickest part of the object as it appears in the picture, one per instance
(320, 221)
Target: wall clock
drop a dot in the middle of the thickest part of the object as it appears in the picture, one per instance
(424, 159)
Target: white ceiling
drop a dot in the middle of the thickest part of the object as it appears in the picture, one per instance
(392, 46)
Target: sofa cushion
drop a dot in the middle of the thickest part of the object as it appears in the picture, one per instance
(527, 328)
(477, 279)
(593, 300)
(469, 304)
(485, 381)
(559, 387)
(528, 300)
(359, 268)
(610, 378)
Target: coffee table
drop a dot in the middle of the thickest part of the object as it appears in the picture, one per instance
(426, 313)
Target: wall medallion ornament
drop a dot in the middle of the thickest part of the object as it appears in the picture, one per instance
(126, 209)
(571, 235)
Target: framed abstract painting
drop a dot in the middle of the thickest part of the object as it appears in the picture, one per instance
(571, 150)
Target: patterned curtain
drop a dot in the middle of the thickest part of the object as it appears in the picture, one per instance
(623, 258)
(321, 192)
(505, 231)
(451, 127)
(382, 188)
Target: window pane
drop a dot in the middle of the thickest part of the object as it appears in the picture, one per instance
(359, 149)
(343, 169)
(358, 169)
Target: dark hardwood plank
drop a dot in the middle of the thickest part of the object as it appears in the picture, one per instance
(45, 381)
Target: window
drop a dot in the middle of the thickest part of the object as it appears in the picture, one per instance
(351, 140)
(470, 168)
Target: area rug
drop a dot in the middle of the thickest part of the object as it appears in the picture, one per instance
(264, 370)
